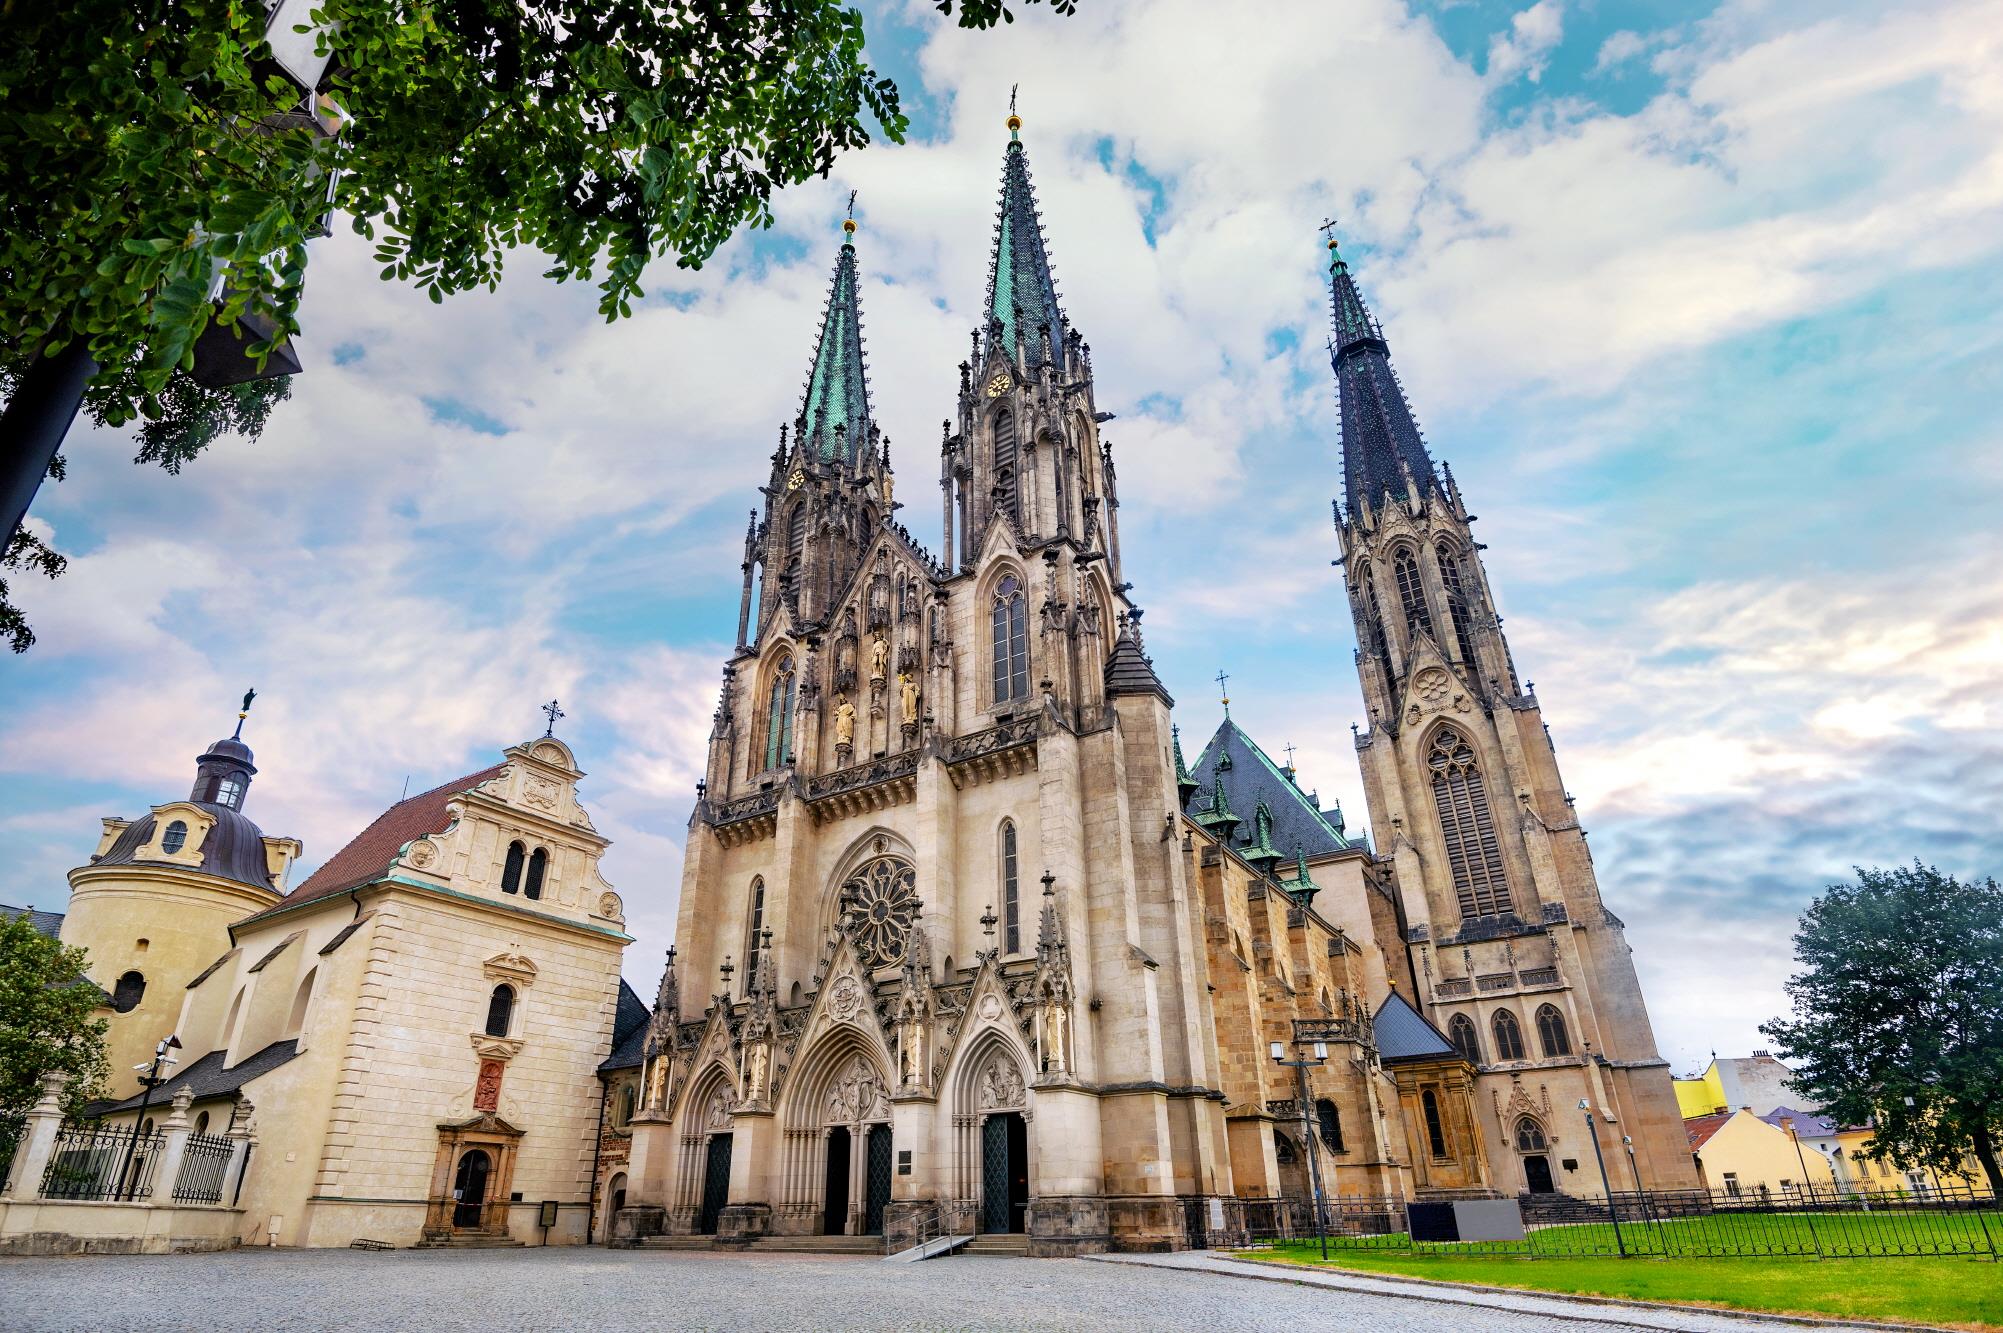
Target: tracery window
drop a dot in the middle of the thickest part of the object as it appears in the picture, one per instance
(1007, 492)
(1010, 631)
(1011, 892)
(1436, 1133)
(1466, 1040)
(1329, 1121)
(1530, 1136)
(175, 838)
(500, 1010)
(511, 869)
(1508, 1036)
(1380, 641)
(756, 919)
(1412, 593)
(538, 866)
(879, 907)
(1473, 853)
(1458, 606)
(1551, 1032)
(779, 716)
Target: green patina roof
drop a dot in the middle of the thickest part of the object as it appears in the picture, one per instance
(1298, 824)
(1019, 278)
(837, 388)
(1261, 852)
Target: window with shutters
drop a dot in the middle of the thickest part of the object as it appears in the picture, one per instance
(1508, 1036)
(1468, 827)
(1412, 593)
(1010, 633)
(779, 716)
(1459, 606)
(1465, 1039)
(1007, 492)
(1551, 1032)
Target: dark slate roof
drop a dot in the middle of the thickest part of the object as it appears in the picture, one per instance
(207, 1078)
(368, 854)
(629, 1032)
(1810, 1123)
(1378, 432)
(1403, 1033)
(234, 849)
(1019, 276)
(46, 923)
(837, 386)
(1250, 777)
(1131, 671)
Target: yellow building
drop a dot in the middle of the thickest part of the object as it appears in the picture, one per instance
(1741, 1154)
(1757, 1080)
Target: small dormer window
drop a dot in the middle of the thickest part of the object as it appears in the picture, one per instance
(175, 838)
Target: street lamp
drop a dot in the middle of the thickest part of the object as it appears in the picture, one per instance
(1613, 1211)
(149, 1080)
(1316, 1054)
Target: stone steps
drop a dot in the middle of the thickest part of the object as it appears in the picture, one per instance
(997, 1247)
(470, 1240)
(872, 1245)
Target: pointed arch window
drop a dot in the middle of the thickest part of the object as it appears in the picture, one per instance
(1508, 1036)
(779, 716)
(1458, 606)
(538, 867)
(796, 535)
(1551, 1032)
(1329, 1120)
(1530, 1136)
(1436, 1130)
(1466, 1040)
(756, 923)
(1010, 632)
(1007, 464)
(1379, 641)
(1011, 892)
(511, 869)
(1468, 826)
(1412, 593)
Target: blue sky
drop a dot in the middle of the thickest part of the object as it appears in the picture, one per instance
(1700, 304)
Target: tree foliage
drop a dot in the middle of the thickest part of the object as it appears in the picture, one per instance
(1898, 1014)
(47, 1022)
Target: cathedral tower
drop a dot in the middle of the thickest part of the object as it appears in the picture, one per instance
(1518, 960)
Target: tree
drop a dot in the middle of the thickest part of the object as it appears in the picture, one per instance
(48, 1023)
(152, 148)
(1898, 1014)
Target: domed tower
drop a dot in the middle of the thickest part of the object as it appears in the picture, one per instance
(155, 903)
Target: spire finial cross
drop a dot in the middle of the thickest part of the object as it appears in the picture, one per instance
(1011, 97)
(1223, 693)
(1290, 755)
(553, 712)
(851, 204)
(1328, 226)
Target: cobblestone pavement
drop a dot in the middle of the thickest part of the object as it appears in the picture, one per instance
(562, 1288)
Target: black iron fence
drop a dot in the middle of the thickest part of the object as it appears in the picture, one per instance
(204, 1169)
(1808, 1224)
(93, 1162)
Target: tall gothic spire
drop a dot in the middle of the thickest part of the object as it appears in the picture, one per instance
(1022, 296)
(1380, 441)
(837, 386)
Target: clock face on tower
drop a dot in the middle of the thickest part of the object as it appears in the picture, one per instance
(793, 482)
(999, 384)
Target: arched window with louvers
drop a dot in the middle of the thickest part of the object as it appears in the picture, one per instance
(1551, 1032)
(779, 715)
(1007, 491)
(1459, 606)
(1412, 593)
(1009, 640)
(1467, 825)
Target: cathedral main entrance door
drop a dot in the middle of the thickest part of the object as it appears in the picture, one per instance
(879, 1180)
(715, 1184)
(1004, 1173)
(834, 1207)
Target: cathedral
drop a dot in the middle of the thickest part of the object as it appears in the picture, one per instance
(968, 944)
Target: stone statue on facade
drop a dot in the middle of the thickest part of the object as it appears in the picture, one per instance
(845, 723)
(879, 659)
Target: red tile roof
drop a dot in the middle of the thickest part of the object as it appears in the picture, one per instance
(1700, 1128)
(369, 852)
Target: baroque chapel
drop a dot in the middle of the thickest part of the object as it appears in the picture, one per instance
(966, 944)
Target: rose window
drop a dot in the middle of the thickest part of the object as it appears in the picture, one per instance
(879, 906)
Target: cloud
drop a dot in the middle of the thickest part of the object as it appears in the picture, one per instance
(1522, 51)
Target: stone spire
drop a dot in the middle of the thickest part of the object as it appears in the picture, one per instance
(1022, 295)
(834, 415)
(1382, 451)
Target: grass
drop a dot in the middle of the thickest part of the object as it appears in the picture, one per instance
(1747, 1235)
(1953, 1290)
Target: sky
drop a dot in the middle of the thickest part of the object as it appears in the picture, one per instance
(1701, 304)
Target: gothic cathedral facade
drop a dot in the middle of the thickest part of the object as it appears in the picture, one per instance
(962, 944)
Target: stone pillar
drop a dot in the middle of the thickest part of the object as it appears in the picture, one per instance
(754, 1156)
(242, 1137)
(38, 1140)
(173, 1146)
(650, 1176)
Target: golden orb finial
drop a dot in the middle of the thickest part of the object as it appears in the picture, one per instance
(1014, 123)
(848, 226)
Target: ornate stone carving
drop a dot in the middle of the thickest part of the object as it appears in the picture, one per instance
(845, 999)
(1001, 1087)
(879, 904)
(856, 1095)
(541, 794)
(422, 854)
(716, 1116)
(487, 1092)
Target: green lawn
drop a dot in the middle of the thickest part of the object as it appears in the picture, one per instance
(1956, 1291)
(1744, 1235)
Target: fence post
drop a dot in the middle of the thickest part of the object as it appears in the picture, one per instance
(38, 1140)
(173, 1146)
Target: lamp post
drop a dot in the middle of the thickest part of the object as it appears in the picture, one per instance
(1613, 1211)
(1317, 1054)
(148, 1081)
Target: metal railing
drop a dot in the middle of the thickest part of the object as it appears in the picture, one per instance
(1820, 1223)
(204, 1169)
(93, 1162)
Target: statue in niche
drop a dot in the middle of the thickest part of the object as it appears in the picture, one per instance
(845, 723)
(879, 658)
(1056, 1038)
(907, 689)
(757, 1065)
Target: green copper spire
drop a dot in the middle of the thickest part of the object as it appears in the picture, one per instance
(1302, 885)
(1022, 296)
(1262, 853)
(837, 388)
(1184, 783)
